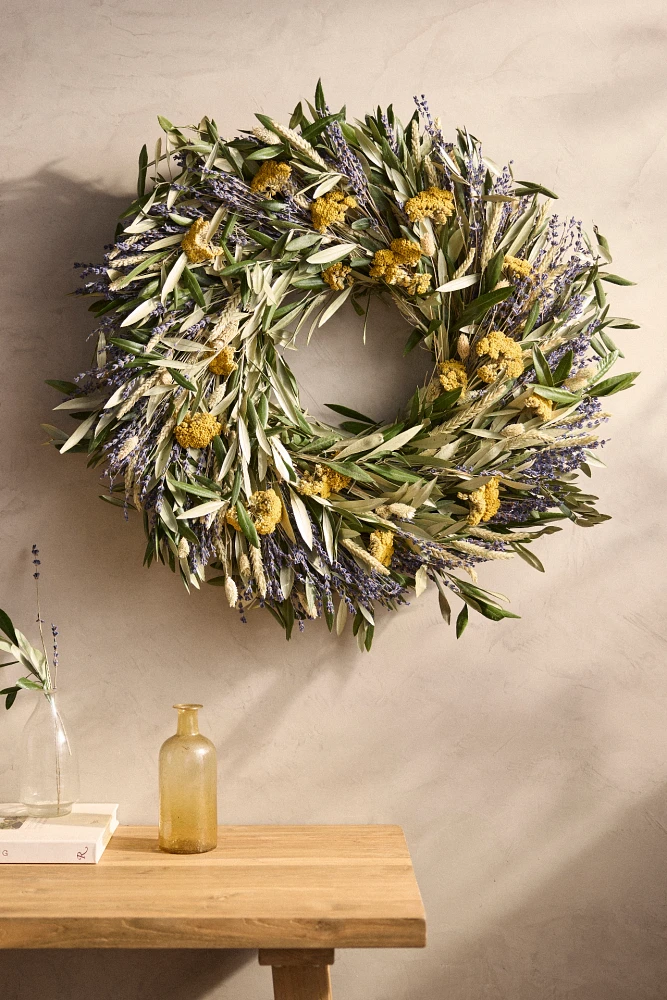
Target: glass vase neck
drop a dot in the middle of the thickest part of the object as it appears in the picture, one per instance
(188, 720)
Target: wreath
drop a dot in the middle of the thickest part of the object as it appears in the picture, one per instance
(239, 249)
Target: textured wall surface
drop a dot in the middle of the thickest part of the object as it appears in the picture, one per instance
(527, 762)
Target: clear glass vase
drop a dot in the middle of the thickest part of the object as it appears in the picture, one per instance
(188, 788)
(48, 768)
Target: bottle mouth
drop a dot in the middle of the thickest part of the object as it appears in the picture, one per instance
(186, 708)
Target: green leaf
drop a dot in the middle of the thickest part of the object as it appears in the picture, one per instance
(532, 317)
(182, 380)
(446, 400)
(563, 368)
(240, 265)
(247, 527)
(7, 627)
(29, 685)
(67, 388)
(347, 412)
(320, 102)
(236, 488)
(261, 238)
(542, 369)
(139, 269)
(297, 116)
(603, 244)
(288, 615)
(165, 124)
(265, 153)
(11, 694)
(313, 131)
(528, 556)
(493, 270)
(558, 395)
(348, 469)
(230, 222)
(615, 279)
(494, 613)
(530, 186)
(126, 345)
(414, 338)
(445, 609)
(218, 449)
(611, 385)
(264, 120)
(195, 287)
(313, 283)
(481, 305)
(143, 164)
(395, 475)
(333, 253)
(116, 501)
(198, 491)
(462, 621)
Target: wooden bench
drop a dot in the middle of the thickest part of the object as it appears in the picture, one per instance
(296, 893)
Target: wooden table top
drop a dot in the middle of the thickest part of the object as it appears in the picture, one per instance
(263, 887)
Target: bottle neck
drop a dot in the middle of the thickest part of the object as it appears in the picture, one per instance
(188, 722)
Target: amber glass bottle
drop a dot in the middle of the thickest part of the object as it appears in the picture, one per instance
(188, 788)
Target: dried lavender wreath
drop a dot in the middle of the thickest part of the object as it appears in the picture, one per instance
(238, 248)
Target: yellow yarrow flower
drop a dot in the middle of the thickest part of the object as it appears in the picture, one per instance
(514, 267)
(265, 509)
(419, 284)
(381, 545)
(195, 245)
(452, 375)
(223, 363)
(506, 355)
(542, 407)
(271, 178)
(406, 252)
(322, 482)
(330, 209)
(386, 266)
(433, 203)
(393, 265)
(337, 277)
(484, 502)
(197, 431)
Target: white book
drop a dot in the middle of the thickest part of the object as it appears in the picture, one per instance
(77, 839)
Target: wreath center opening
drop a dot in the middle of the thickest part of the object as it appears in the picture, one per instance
(369, 373)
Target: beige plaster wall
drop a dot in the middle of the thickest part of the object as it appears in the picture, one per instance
(527, 762)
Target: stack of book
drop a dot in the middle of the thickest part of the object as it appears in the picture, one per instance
(77, 839)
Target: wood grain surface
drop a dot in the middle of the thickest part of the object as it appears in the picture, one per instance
(263, 887)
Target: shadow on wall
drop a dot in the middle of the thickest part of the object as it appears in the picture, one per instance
(51, 221)
(594, 930)
(109, 974)
(546, 897)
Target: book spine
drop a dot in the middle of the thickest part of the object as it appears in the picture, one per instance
(51, 854)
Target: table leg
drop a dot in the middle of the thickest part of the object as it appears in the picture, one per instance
(299, 974)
